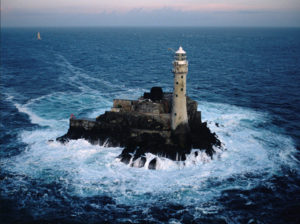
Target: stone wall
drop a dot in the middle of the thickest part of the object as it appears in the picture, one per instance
(144, 106)
(149, 107)
(124, 105)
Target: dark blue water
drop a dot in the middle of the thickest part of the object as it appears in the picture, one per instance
(247, 80)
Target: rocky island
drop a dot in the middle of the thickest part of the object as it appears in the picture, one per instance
(164, 124)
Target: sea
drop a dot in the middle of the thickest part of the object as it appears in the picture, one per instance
(247, 85)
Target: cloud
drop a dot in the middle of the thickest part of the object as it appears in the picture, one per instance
(166, 16)
(94, 6)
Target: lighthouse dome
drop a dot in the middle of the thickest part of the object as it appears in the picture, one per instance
(180, 51)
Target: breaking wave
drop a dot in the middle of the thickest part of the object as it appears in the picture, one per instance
(89, 170)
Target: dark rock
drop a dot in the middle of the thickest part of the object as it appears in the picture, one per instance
(63, 139)
(152, 164)
(182, 136)
(156, 93)
(140, 133)
(139, 162)
(143, 161)
(125, 158)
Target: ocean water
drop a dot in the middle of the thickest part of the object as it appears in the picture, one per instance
(246, 80)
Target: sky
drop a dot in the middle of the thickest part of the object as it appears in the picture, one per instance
(60, 13)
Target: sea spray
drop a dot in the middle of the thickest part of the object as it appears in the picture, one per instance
(93, 169)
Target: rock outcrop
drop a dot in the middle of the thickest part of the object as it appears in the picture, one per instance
(143, 126)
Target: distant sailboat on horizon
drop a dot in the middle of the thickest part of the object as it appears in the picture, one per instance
(39, 36)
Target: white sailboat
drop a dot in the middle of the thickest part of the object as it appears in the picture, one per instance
(39, 36)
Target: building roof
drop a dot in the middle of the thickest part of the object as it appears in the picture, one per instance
(180, 51)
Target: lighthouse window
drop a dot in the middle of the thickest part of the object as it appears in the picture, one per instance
(182, 76)
(175, 114)
(181, 89)
(176, 95)
(177, 83)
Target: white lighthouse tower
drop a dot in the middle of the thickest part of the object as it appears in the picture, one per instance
(179, 110)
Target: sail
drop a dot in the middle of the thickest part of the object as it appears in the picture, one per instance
(39, 36)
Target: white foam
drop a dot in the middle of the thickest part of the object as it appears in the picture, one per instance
(88, 170)
(32, 116)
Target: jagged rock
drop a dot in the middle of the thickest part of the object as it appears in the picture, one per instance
(125, 158)
(130, 125)
(139, 162)
(152, 164)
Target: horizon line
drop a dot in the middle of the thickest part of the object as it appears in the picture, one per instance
(149, 26)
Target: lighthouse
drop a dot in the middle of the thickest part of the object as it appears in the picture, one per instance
(179, 111)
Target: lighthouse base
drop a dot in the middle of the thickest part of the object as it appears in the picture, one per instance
(181, 136)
